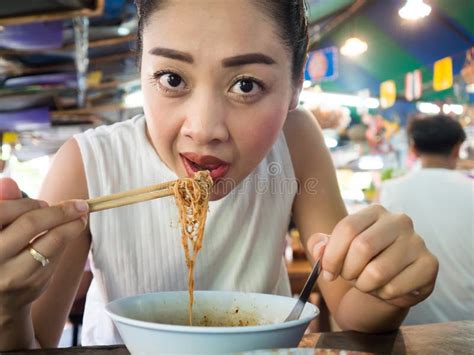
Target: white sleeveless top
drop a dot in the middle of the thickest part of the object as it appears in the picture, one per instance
(137, 248)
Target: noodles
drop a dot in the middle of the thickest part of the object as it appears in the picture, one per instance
(192, 199)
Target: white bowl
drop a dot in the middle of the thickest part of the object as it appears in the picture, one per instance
(150, 323)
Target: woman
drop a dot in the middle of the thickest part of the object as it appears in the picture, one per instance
(221, 81)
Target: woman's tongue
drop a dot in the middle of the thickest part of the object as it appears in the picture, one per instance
(216, 170)
(203, 167)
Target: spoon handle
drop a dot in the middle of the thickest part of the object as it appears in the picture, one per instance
(304, 295)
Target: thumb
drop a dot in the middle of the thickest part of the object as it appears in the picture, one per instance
(316, 244)
(9, 189)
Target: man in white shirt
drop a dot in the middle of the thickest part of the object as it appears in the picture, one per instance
(440, 202)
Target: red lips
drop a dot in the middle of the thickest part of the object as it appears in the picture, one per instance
(195, 162)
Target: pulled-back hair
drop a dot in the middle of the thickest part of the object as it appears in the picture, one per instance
(435, 134)
(288, 15)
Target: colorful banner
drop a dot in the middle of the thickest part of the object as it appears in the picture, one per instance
(443, 74)
(413, 85)
(388, 93)
(322, 65)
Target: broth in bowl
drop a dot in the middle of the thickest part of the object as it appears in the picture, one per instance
(231, 318)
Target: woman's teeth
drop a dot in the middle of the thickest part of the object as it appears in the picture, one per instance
(197, 166)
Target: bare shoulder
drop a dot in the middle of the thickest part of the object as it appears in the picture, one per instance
(305, 143)
(66, 177)
(318, 206)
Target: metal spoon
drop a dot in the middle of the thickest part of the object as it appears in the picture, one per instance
(304, 295)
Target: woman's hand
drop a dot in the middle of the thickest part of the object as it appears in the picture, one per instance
(21, 220)
(379, 253)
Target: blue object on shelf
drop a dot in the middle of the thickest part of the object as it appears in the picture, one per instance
(31, 119)
(68, 78)
(33, 36)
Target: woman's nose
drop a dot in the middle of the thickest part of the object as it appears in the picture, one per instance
(205, 122)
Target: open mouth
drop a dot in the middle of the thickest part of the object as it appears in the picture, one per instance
(194, 162)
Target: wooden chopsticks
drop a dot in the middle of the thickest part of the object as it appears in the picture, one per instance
(131, 196)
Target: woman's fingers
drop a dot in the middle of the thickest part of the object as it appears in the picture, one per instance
(24, 276)
(388, 264)
(10, 210)
(9, 189)
(368, 244)
(343, 234)
(316, 244)
(52, 244)
(415, 282)
(19, 233)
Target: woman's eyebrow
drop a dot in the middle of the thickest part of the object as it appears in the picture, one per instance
(238, 60)
(250, 58)
(172, 54)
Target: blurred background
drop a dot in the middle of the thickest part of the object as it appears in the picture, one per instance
(69, 65)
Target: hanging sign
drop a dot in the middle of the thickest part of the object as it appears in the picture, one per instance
(413, 85)
(443, 74)
(388, 93)
(322, 65)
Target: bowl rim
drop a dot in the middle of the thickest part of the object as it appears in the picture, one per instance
(209, 330)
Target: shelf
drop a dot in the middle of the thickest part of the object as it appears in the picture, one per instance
(69, 47)
(52, 16)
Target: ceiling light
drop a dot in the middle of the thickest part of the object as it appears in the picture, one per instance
(456, 109)
(353, 47)
(414, 10)
(428, 108)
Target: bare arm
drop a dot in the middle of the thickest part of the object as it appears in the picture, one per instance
(65, 180)
(318, 209)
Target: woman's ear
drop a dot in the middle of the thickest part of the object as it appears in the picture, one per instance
(295, 95)
(295, 98)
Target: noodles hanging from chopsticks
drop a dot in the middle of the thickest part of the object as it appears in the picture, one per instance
(192, 199)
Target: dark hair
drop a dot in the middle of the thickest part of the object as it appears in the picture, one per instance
(289, 15)
(435, 134)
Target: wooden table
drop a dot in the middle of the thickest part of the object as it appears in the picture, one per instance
(442, 338)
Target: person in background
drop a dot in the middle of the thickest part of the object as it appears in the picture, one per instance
(440, 202)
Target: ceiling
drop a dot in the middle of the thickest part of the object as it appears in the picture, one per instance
(396, 47)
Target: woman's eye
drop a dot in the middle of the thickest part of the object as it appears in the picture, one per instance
(170, 81)
(246, 87)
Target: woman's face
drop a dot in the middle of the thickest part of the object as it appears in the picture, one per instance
(217, 87)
